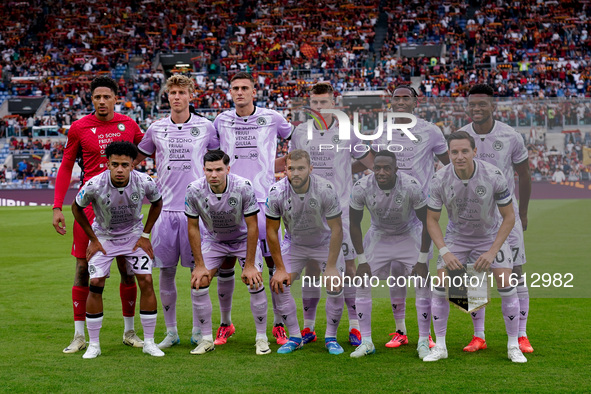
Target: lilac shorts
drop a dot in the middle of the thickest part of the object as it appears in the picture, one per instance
(215, 253)
(137, 262)
(295, 258)
(170, 240)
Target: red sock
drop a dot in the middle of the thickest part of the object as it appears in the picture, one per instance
(128, 295)
(79, 296)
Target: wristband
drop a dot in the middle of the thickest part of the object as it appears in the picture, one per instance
(146, 235)
(423, 257)
(443, 251)
(361, 258)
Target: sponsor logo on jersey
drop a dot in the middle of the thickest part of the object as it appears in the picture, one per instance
(121, 127)
(497, 145)
(195, 131)
(135, 197)
(480, 191)
(261, 121)
(232, 201)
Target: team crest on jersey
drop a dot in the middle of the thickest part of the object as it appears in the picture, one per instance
(195, 131)
(121, 127)
(313, 203)
(419, 139)
(480, 191)
(135, 197)
(91, 269)
(497, 145)
(398, 199)
(232, 201)
(261, 121)
(335, 139)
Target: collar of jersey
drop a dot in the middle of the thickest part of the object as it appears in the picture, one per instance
(224, 191)
(471, 176)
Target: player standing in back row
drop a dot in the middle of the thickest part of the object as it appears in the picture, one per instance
(87, 139)
(248, 134)
(500, 145)
(180, 142)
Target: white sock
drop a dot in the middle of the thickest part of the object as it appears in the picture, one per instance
(426, 339)
(79, 327)
(353, 324)
(226, 317)
(208, 338)
(522, 334)
(441, 341)
(401, 325)
(479, 334)
(309, 324)
(196, 330)
(366, 339)
(172, 329)
(512, 342)
(261, 336)
(128, 320)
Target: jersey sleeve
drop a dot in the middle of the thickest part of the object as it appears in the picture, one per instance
(356, 141)
(296, 138)
(439, 146)
(138, 135)
(419, 200)
(435, 201)
(332, 206)
(357, 201)
(272, 208)
(152, 192)
(519, 152)
(64, 174)
(146, 145)
(213, 140)
(249, 200)
(501, 189)
(86, 194)
(283, 127)
(191, 202)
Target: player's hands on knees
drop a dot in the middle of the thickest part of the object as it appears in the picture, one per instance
(484, 261)
(93, 247)
(332, 279)
(146, 245)
(252, 277)
(452, 262)
(363, 271)
(59, 222)
(200, 277)
(280, 277)
(421, 270)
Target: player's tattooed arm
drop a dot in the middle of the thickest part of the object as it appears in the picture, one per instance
(200, 277)
(94, 245)
(144, 242)
(250, 275)
(281, 276)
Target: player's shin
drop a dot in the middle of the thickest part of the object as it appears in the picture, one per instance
(310, 299)
(523, 294)
(363, 304)
(258, 307)
(440, 311)
(94, 322)
(128, 294)
(203, 309)
(225, 293)
(334, 311)
(510, 308)
(287, 307)
(148, 319)
(79, 296)
(423, 306)
(168, 297)
(478, 322)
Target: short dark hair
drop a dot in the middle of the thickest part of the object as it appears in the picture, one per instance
(322, 88)
(243, 75)
(386, 153)
(461, 135)
(121, 148)
(104, 82)
(216, 155)
(298, 154)
(482, 88)
(412, 90)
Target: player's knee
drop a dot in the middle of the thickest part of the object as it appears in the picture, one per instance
(225, 274)
(517, 271)
(258, 290)
(201, 291)
(97, 286)
(145, 283)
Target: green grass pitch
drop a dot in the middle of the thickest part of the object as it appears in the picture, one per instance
(36, 324)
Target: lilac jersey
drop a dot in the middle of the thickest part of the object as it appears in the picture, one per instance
(331, 157)
(416, 157)
(471, 204)
(392, 211)
(502, 147)
(118, 210)
(222, 214)
(304, 215)
(251, 143)
(179, 155)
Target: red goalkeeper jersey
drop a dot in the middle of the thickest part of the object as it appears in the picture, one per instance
(87, 140)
